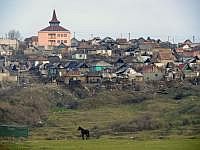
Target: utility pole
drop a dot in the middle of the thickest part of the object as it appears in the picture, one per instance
(173, 40)
(193, 39)
(74, 34)
(129, 36)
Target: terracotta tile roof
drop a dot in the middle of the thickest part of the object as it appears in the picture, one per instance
(165, 54)
(54, 24)
(181, 66)
(150, 69)
(54, 28)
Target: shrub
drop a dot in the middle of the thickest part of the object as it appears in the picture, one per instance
(143, 122)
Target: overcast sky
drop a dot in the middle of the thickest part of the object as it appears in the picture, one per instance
(155, 18)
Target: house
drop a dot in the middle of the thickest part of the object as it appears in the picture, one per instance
(54, 34)
(122, 43)
(130, 74)
(152, 72)
(104, 52)
(94, 77)
(9, 43)
(99, 66)
(147, 46)
(100, 50)
(188, 71)
(83, 67)
(129, 51)
(96, 41)
(31, 41)
(35, 60)
(73, 75)
(191, 53)
(108, 74)
(74, 42)
(5, 51)
(79, 55)
(61, 49)
(173, 72)
(163, 56)
(108, 42)
(85, 45)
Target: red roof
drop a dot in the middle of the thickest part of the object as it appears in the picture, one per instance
(150, 69)
(54, 28)
(54, 24)
(181, 66)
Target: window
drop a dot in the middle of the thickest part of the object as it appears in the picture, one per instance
(61, 35)
(65, 35)
(61, 41)
(52, 36)
(51, 42)
(58, 35)
(58, 41)
(65, 41)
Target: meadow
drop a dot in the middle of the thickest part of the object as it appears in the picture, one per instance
(104, 144)
(116, 120)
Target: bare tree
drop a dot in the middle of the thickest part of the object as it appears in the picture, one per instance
(14, 34)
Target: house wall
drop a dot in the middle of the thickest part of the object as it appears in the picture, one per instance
(79, 56)
(153, 76)
(104, 52)
(44, 39)
(7, 77)
(11, 43)
(97, 68)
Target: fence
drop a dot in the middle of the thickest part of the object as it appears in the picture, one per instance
(13, 131)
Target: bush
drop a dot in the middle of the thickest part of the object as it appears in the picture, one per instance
(144, 122)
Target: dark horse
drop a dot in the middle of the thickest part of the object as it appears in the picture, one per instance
(85, 134)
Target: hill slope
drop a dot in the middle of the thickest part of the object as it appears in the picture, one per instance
(109, 114)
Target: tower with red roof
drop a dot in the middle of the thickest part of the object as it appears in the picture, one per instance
(54, 34)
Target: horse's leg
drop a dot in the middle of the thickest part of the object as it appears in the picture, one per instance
(82, 136)
(87, 135)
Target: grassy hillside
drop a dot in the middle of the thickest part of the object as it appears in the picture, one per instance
(154, 114)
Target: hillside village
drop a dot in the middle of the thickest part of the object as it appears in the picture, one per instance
(123, 88)
(99, 62)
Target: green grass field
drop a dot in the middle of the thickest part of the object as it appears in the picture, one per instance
(116, 120)
(113, 121)
(103, 144)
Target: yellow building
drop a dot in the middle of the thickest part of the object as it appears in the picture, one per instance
(54, 34)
